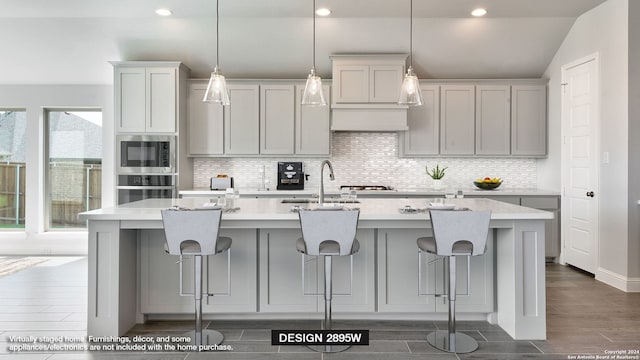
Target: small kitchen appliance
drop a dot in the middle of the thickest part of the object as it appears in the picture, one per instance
(290, 176)
(221, 182)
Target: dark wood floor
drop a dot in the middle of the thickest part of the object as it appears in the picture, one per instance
(584, 317)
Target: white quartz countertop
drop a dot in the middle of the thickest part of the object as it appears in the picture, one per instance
(272, 209)
(385, 193)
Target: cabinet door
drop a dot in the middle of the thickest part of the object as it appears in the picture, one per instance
(241, 120)
(384, 83)
(277, 119)
(493, 118)
(161, 100)
(423, 136)
(529, 120)
(313, 135)
(231, 276)
(474, 283)
(129, 83)
(281, 284)
(457, 112)
(398, 272)
(352, 291)
(205, 123)
(351, 84)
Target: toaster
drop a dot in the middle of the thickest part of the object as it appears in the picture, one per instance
(221, 183)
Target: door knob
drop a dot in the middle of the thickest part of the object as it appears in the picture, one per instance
(590, 193)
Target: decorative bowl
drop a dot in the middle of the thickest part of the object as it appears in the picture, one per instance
(486, 185)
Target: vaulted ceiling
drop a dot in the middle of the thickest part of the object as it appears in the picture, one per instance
(70, 41)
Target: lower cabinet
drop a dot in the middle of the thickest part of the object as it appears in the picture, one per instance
(230, 276)
(282, 270)
(398, 280)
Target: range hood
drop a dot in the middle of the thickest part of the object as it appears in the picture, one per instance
(368, 117)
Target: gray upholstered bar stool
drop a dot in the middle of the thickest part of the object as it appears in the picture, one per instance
(328, 233)
(195, 233)
(455, 233)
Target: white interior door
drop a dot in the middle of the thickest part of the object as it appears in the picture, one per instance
(580, 168)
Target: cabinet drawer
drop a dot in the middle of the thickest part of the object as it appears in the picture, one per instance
(550, 203)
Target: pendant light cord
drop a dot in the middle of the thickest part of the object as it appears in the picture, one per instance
(314, 34)
(217, 33)
(410, 33)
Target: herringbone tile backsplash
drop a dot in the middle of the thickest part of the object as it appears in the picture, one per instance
(371, 158)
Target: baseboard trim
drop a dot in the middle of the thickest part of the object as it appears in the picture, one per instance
(618, 281)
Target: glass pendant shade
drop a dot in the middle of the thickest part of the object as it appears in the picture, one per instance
(217, 89)
(313, 94)
(410, 93)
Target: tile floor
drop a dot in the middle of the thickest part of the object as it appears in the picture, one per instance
(584, 317)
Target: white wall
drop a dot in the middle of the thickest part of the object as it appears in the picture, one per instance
(634, 141)
(35, 98)
(603, 30)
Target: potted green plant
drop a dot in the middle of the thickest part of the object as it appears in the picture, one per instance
(436, 174)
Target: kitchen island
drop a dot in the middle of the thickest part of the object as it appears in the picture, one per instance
(131, 279)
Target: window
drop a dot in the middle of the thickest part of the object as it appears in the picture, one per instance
(13, 124)
(74, 166)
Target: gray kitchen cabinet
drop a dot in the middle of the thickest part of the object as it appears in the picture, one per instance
(529, 120)
(423, 136)
(493, 118)
(277, 119)
(398, 259)
(231, 276)
(146, 96)
(313, 134)
(205, 123)
(281, 275)
(457, 119)
(367, 78)
(241, 120)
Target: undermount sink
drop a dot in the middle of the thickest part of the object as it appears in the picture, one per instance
(308, 201)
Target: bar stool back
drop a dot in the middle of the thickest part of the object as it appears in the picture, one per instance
(195, 233)
(328, 233)
(455, 233)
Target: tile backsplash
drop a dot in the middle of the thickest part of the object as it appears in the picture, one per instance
(370, 158)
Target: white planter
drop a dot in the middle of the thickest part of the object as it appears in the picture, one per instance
(437, 184)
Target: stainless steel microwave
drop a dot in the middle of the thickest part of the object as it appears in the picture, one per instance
(146, 154)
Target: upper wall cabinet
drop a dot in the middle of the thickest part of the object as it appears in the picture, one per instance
(147, 96)
(277, 118)
(205, 127)
(264, 119)
(361, 79)
(313, 136)
(529, 120)
(424, 125)
(457, 117)
(478, 118)
(241, 120)
(493, 115)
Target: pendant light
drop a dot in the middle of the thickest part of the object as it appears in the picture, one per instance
(217, 87)
(313, 94)
(410, 93)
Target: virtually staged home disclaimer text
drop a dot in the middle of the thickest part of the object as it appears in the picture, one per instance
(16, 344)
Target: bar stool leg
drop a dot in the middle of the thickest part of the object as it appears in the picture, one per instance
(328, 295)
(200, 336)
(449, 340)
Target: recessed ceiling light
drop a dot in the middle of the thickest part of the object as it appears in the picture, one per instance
(164, 12)
(479, 12)
(323, 12)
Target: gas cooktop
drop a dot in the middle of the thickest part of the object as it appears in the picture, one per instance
(367, 187)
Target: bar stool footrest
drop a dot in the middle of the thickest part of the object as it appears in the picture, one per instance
(463, 343)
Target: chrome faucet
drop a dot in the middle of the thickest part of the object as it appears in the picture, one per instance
(331, 176)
